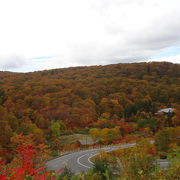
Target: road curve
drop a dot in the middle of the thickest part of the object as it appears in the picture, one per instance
(79, 161)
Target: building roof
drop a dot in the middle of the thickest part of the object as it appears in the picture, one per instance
(166, 110)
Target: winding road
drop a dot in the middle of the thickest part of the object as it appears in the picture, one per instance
(79, 161)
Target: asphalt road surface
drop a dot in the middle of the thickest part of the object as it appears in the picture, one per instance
(80, 161)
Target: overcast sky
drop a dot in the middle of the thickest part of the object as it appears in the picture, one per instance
(46, 34)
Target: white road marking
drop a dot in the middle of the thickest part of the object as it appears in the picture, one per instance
(78, 161)
(107, 150)
(91, 157)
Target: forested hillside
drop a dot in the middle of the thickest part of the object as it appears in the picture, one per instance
(83, 97)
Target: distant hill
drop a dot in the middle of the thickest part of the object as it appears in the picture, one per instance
(77, 97)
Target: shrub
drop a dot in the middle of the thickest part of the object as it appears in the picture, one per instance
(137, 162)
(165, 137)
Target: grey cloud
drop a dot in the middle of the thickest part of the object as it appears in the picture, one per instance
(160, 32)
(125, 42)
(12, 61)
(132, 31)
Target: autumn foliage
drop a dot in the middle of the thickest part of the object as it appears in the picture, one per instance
(48, 104)
(24, 167)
